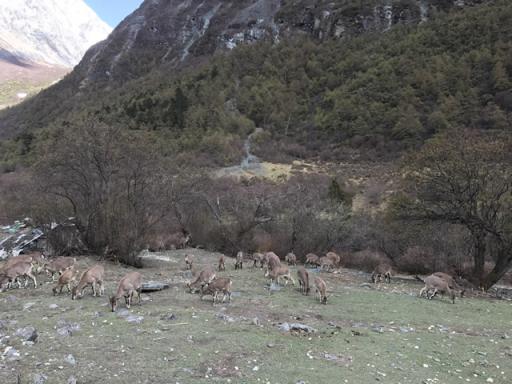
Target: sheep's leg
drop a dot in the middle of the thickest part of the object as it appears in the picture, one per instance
(422, 291)
(94, 288)
(138, 294)
(30, 275)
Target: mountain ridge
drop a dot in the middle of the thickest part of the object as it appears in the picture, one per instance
(48, 32)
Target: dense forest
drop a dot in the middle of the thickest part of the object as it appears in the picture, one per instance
(375, 95)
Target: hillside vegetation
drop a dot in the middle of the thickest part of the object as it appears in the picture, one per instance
(378, 93)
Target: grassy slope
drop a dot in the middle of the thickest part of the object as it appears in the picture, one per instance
(206, 348)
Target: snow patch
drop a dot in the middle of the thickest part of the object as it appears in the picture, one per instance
(49, 31)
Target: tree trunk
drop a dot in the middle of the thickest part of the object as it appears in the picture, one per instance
(501, 267)
(478, 258)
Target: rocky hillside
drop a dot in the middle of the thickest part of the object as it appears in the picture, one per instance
(177, 33)
(317, 76)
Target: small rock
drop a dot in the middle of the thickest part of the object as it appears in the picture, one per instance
(27, 306)
(123, 313)
(152, 286)
(300, 382)
(53, 306)
(289, 327)
(71, 380)
(490, 380)
(256, 321)
(135, 319)
(225, 317)
(365, 285)
(27, 334)
(12, 299)
(39, 378)
(70, 359)
(11, 354)
(168, 317)
(65, 328)
(275, 287)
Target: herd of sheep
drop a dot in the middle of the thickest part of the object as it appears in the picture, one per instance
(26, 267)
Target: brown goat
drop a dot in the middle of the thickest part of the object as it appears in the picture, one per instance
(334, 257)
(14, 272)
(65, 280)
(222, 263)
(382, 271)
(239, 262)
(189, 261)
(216, 286)
(451, 282)
(326, 264)
(93, 276)
(291, 259)
(130, 284)
(303, 276)
(58, 265)
(273, 261)
(312, 259)
(435, 285)
(321, 289)
(203, 278)
(258, 258)
(278, 272)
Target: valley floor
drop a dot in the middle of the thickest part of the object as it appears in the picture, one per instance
(364, 333)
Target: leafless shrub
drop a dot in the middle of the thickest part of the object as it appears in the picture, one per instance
(112, 183)
(365, 260)
(418, 260)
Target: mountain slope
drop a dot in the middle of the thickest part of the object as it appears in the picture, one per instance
(177, 34)
(374, 94)
(51, 32)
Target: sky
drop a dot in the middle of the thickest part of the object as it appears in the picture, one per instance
(113, 11)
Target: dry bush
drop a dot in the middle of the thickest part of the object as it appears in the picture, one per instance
(261, 241)
(259, 215)
(113, 184)
(365, 260)
(420, 260)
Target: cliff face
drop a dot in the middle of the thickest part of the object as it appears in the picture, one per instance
(179, 32)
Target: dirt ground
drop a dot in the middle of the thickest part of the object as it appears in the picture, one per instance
(364, 334)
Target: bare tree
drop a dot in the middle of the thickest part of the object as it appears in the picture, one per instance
(112, 182)
(466, 179)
